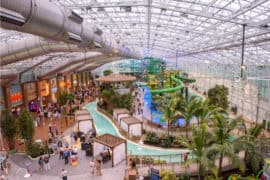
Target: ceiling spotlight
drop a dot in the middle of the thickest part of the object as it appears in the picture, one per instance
(243, 66)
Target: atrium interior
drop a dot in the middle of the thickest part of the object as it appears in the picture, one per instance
(135, 89)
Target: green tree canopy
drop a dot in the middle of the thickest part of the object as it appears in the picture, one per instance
(8, 127)
(218, 96)
(26, 125)
(107, 72)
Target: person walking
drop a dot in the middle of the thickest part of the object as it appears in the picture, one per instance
(46, 160)
(98, 167)
(28, 165)
(63, 174)
(186, 156)
(92, 166)
(41, 164)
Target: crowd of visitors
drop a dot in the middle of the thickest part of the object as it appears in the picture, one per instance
(137, 103)
(5, 166)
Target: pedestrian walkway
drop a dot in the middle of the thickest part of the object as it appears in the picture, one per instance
(81, 171)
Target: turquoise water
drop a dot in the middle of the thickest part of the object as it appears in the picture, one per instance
(104, 125)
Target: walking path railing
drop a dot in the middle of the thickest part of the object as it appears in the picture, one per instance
(145, 163)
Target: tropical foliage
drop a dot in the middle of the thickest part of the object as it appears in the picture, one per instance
(167, 175)
(63, 97)
(107, 72)
(248, 142)
(218, 96)
(8, 127)
(117, 100)
(188, 108)
(223, 139)
(199, 147)
(26, 126)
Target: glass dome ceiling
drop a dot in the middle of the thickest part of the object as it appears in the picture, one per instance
(193, 29)
(201, 31)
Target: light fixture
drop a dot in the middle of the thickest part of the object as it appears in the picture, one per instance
(243, 66)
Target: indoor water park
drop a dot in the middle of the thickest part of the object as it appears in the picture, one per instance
(135, 90)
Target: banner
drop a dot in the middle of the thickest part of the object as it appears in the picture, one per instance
(16, 95)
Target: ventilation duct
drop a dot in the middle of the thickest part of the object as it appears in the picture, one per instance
(74, 37)
(75, 17)
(11, 17)
(46, 19)
(32, 46)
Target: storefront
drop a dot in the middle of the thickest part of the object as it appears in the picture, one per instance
(79, 79)
(53, 86)
(61, 85)
(30, 96)
(74, 81)
(68, 83)
(44, 91)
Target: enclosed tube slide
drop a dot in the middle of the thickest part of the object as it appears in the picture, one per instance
(169, 90)
(46, 19)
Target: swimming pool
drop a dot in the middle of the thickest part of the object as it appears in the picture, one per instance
(104, 125)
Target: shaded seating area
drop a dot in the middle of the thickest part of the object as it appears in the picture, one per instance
(110, 147)
(131, 125)
(81, 112)
(120, 113)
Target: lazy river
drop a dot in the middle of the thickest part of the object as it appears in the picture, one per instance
(104, 125)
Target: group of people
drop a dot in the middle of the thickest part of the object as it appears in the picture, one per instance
(95, 166)
(137, 103)
(5, 166)
(44, 162)
(83, 93)
(132, 171)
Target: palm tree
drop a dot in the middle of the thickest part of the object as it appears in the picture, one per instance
(248, 143)
(206, 111)
(223, 145)
(167, 105)
(199, 148)
(188, 108)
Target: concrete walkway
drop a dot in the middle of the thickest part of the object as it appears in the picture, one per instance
(81, 171)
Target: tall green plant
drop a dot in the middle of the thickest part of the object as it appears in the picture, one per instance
(167, 175)
(199, 147)
(63, 96)
(248, 143)
(167, 105)
(223, 142)
(188, 108)
(26, 126)
(8, 127)
(107, 72)
(218, 96)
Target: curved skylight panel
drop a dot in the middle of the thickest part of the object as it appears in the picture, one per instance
(7, 35)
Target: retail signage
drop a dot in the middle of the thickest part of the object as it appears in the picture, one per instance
(30, 91)
(44, 88)
(68, 84)
(16, 95)
(74, 77)
(53, 85)
(2, 99)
